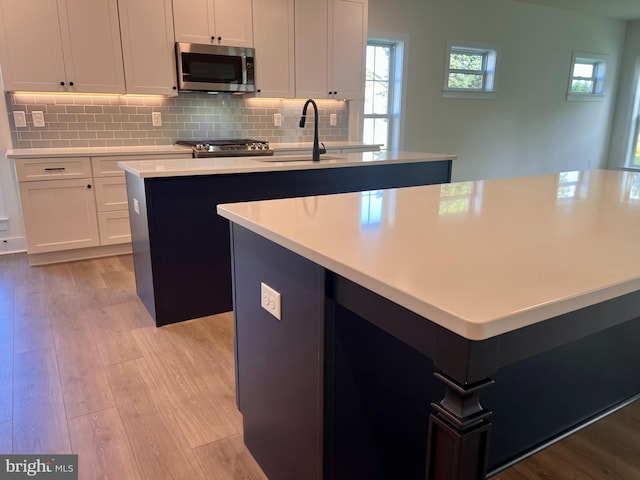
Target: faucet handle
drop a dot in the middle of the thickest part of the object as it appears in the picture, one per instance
(322, 149)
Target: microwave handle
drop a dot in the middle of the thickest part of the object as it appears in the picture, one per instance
(244, 69)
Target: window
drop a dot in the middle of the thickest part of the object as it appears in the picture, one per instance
(383, 80)
(587, 76)
(471, 70)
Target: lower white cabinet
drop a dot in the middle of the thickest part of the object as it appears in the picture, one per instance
(59, 214)
(73, 203)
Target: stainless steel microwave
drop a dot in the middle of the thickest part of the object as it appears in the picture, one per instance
(215, 68)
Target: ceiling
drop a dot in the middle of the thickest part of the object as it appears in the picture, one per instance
(622, 9)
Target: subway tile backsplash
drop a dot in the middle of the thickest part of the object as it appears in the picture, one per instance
(105, 121)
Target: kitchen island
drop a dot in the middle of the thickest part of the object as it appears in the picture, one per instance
(451, 331)
(181, 247)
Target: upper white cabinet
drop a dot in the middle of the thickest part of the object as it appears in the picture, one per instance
(311, 50)
(347, 45)
(273, 33)
(61, 45)
(330, 44)
(218, 22)
(148, 46)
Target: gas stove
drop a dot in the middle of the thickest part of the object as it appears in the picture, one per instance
(235, 147)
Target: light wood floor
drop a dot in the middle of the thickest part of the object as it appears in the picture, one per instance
(84, 370)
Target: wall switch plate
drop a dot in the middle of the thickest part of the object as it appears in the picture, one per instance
(38, 119)
(277, 119)
(333, 119)
(20, 119)
(156, 119)
(136, 206)
(4, 224)
(270, 300)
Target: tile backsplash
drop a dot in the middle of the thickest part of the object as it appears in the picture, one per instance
(105, 121)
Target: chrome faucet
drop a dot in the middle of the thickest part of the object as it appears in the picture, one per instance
(315, 155)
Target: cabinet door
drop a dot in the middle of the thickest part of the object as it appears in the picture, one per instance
(111, 193)
(193, 21)
(275, 56)
(59, 215)
(148, 47)
(91, 43)
(311, 48)
(348, 43)
(31, 51)
(233, 23)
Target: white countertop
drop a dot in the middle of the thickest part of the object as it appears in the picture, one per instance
(294, 146)
(95, 151)
(151, 149)
(478, 258)
(224, 165)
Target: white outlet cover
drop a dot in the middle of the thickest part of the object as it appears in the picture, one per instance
(270, 300)
(20, 119)
(38, 119)
(333, 119)
(156, 119)
(277, 119)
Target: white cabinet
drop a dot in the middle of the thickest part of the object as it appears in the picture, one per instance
(273, 33)
(311, 50)
(347, 44)
(61, 45)
(148, 47)
(330, 43)
(72, 203)
(59, 212)
(219, 22)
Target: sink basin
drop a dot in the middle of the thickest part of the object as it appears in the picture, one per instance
(297, 158)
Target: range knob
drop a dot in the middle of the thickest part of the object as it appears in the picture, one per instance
(199, 146)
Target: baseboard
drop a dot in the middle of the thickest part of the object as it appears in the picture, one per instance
(79, 254)
(10, 245)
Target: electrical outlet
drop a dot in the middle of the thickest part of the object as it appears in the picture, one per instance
(136, 206)
(156, 119)
(333, 119)
(38, 119)
(270, 300)
(277, 119)
(20, 119)
(4, 224)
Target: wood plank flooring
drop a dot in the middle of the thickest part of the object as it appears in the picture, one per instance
(83, 369)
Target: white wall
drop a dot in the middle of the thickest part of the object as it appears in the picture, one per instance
(629, 76)
(9, 200)
(530, 128)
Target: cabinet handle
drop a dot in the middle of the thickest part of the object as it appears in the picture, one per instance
(213, 38)
(54, 169)
(219, 39)
(175, 88)
(89, 186)
(258, 90)
(71, 83)
(62, 84)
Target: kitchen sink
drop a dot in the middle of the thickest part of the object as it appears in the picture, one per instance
(297, 158)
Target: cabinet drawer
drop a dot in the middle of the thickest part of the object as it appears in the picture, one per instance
(108, 166)
(114, 227)
(111, 193)
(32, 169)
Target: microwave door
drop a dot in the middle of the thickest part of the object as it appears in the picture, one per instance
(214, 72)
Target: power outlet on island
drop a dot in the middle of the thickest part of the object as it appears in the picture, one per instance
(270, 300)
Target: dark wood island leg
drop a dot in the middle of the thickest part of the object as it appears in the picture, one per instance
(458, 441)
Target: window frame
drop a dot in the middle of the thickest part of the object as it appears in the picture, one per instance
(598, 78)
(395, 91)
(489, 54)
